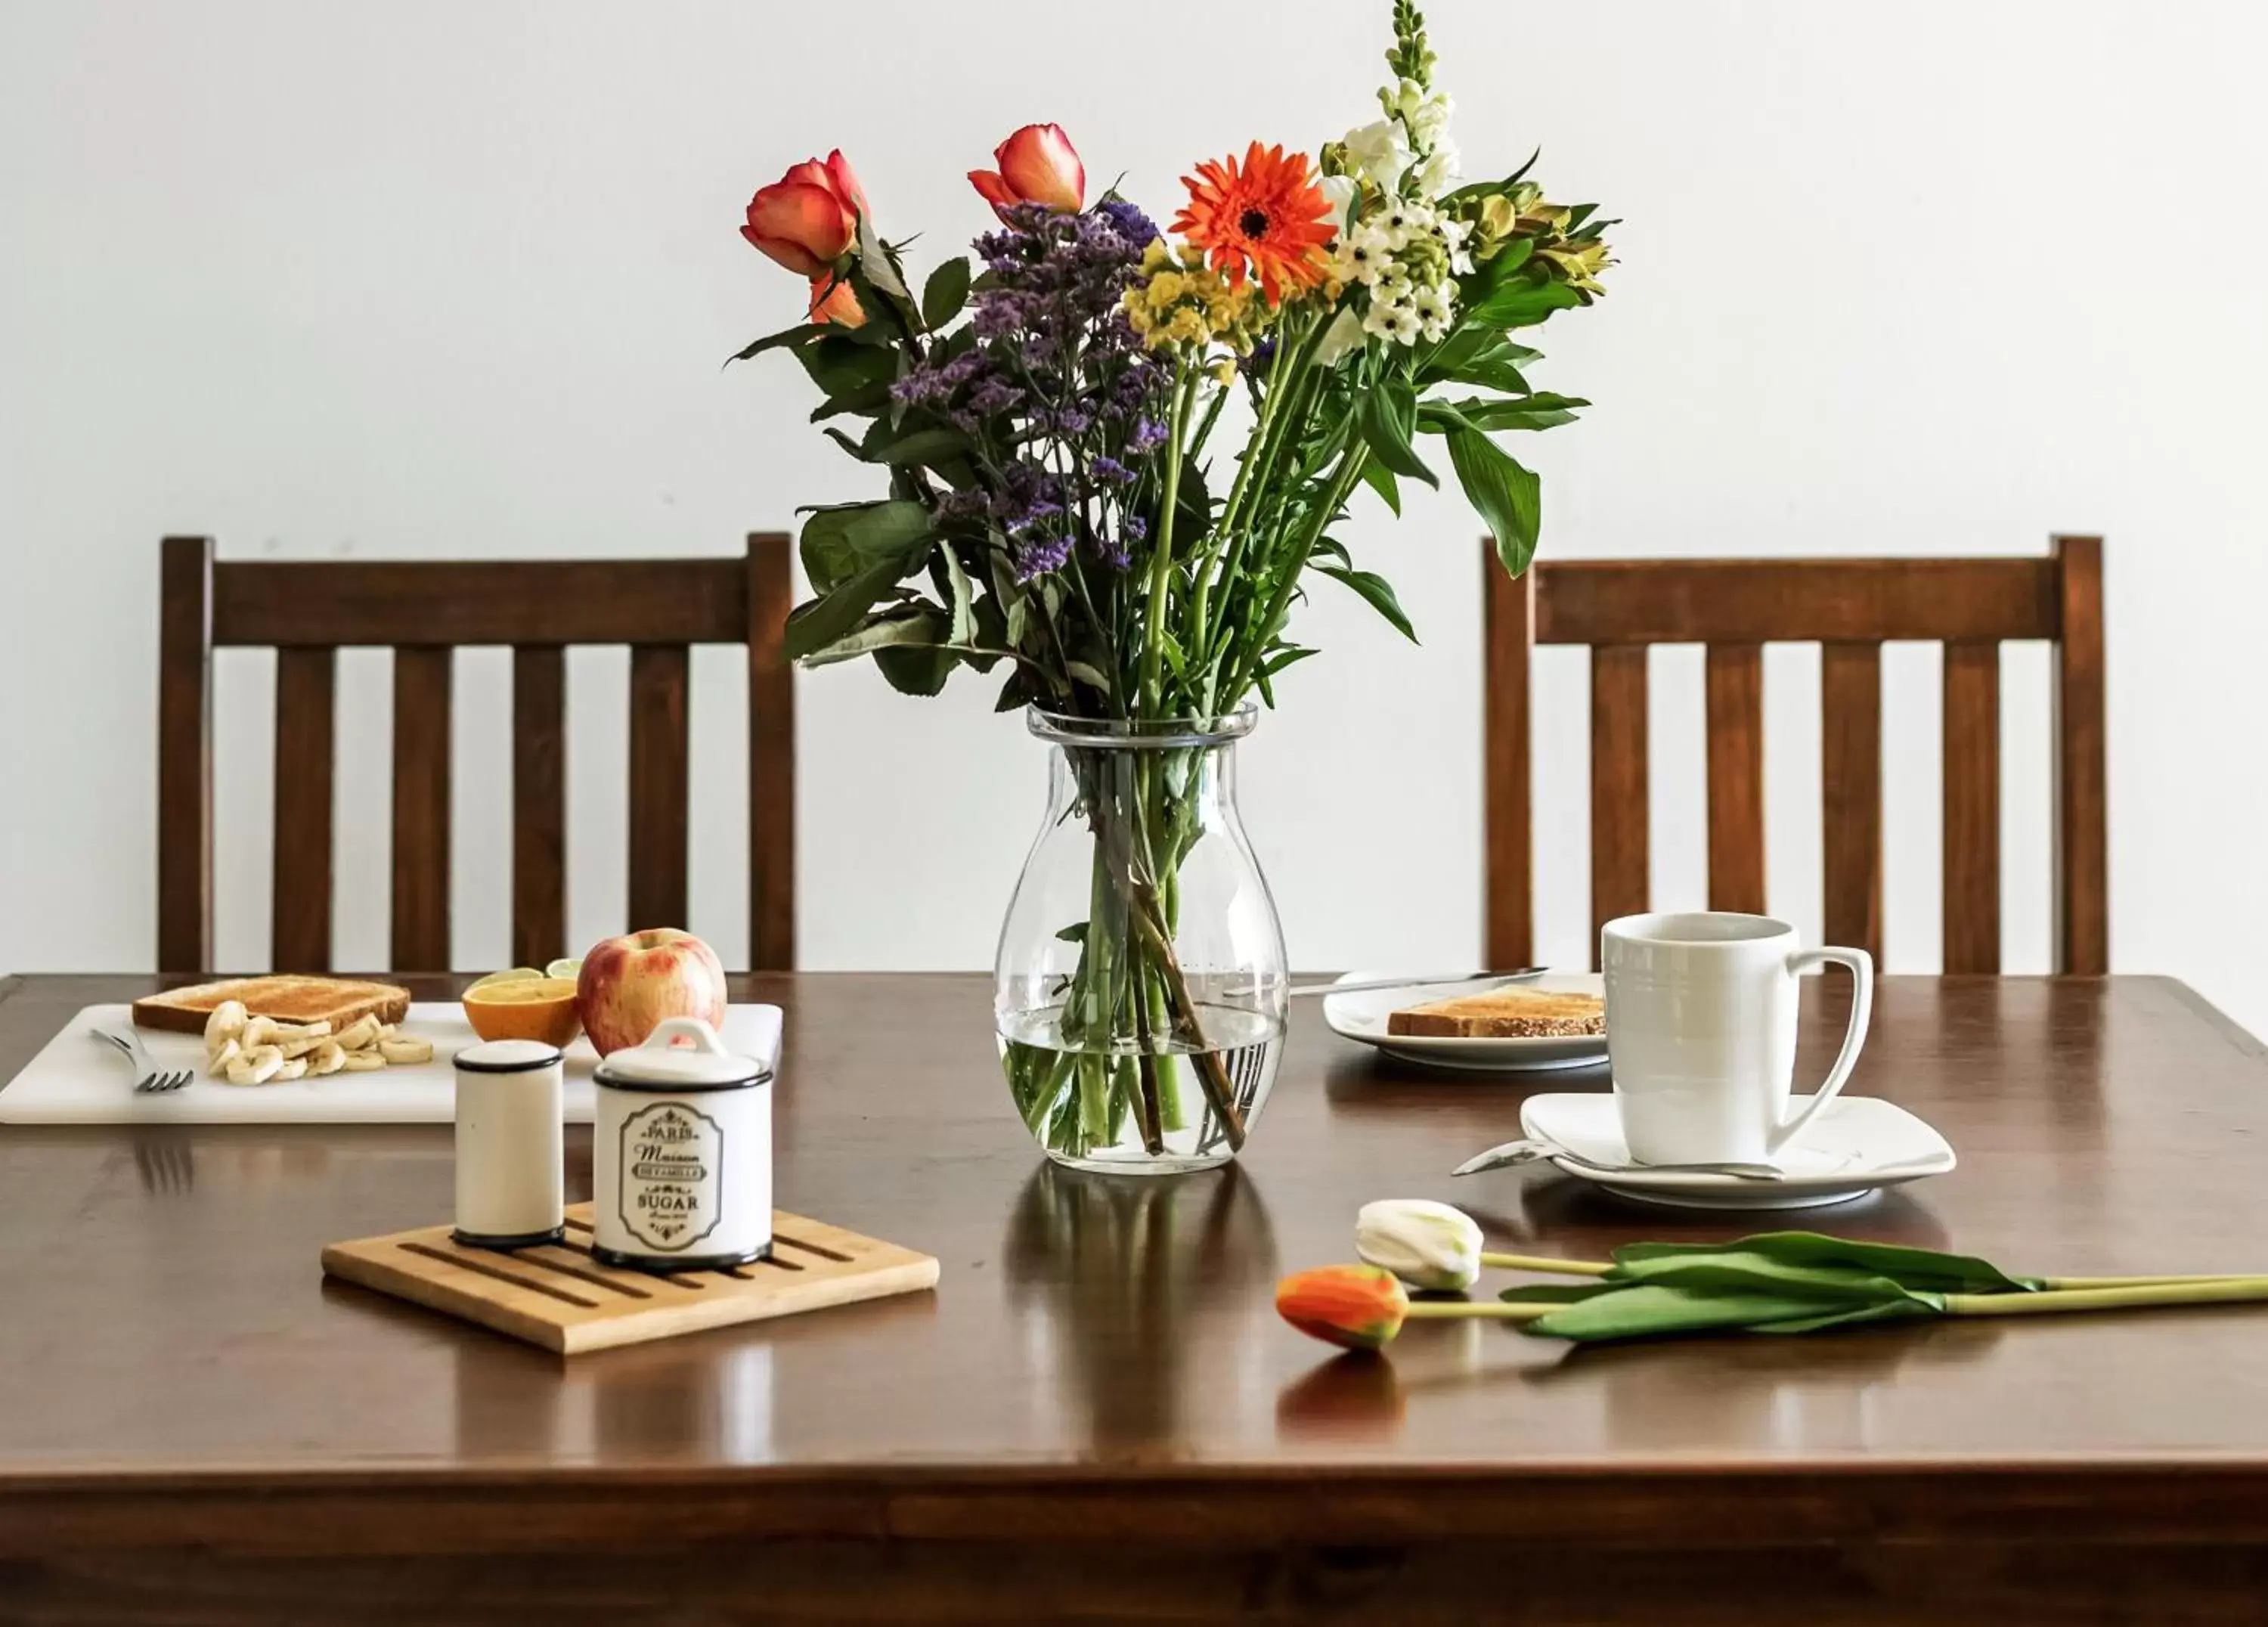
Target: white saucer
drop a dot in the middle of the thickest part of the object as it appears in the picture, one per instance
(1857, 1144)
(1362, 1017)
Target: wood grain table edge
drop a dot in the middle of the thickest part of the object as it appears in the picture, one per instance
(1649, 1505)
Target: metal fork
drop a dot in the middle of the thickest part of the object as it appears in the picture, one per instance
(150, 1079)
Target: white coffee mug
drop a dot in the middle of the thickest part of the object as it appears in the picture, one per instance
(1701, 1034)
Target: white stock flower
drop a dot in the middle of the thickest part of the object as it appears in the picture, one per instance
(1390, 318)
(1343, 335)
(1362, 256)
(1430, 307)
(1426, 1244)
(1379, 153)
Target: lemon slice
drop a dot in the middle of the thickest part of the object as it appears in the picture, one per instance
(504, 989)
(564, 969)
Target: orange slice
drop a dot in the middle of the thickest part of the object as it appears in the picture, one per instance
(523, 1008)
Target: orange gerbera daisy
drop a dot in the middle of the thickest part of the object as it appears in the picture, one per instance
(1269, 214)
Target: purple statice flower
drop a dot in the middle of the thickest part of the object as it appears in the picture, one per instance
(1133, 226)
(1036, 556)
(1109, 470)
(1148, 436)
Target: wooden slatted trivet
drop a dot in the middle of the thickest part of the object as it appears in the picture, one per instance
(558, 1297)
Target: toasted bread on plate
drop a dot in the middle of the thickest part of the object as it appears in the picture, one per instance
(284, 997)
(1504, 1014)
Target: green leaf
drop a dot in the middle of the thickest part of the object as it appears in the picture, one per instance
(1915, 1268)
(876, 262)
(946, 292)
(1282, 657)
(827, 558)
(1526, 412)
(932, 446)
(772, 342)
(1082, 671)
(1380, 479)
(885, 631)
(865, 401)
(819, 622)
(964, 627)
(1652, 1310)
(915, 671)
(1377, 593)
(840, 364)
(1389, 419)
(1522, 304)
(1075, 933)
(889, 531)
(1508, 497)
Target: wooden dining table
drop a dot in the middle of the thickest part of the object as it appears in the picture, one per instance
(1097, 1415)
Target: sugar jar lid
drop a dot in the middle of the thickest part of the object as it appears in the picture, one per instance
(507, 1056)
(662, 1063)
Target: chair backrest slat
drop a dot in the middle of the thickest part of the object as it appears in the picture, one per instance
(538, 804)
(1972, 807)
(306, 707)
(185, 764)
(422, 695)
(1851, 792)
(1735, 697)
(659, 793)
(424, 611)
(1618, 798)
(2082, 856)
(1507, 769)
(771, 757)
(1850, 608)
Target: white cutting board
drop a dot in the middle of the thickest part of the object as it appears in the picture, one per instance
(77, 1080)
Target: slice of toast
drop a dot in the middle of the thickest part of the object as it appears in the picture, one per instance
(1513, 1014)
(286, 997)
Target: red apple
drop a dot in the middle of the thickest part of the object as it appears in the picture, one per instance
(630, 984)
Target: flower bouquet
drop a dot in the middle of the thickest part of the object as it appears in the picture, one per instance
(1114, 457)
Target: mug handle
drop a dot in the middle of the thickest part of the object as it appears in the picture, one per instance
(1854, 1037)
(671, 1029)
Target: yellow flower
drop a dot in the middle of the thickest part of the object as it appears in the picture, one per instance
(1224, 371)
(1187, 327)
(1137, 318)
(1165, 288)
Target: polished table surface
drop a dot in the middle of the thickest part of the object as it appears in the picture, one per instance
(1102, 1358)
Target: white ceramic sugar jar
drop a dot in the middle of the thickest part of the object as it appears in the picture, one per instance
(682, 1153)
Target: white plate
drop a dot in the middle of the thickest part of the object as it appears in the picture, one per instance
(1362, 1017)
(1857, 1144)
(74, 1081)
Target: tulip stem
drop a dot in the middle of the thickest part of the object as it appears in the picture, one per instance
(1547, 1265)
(2132, 1296)
(1471, 1310)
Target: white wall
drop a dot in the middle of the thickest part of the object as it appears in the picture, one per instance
(423, 277)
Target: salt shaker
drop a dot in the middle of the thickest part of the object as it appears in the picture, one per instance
(510, 1144)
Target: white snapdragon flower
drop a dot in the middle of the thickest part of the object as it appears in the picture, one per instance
(1380, 153)
(1440, 170)
(1342, 191)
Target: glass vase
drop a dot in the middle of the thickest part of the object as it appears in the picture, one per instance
(1139, 992)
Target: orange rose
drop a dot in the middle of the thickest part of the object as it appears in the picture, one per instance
(808, 218)
(1038, 165)
(837, 305)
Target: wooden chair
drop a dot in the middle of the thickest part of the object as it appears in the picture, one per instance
(305, 610)
(1848, 607)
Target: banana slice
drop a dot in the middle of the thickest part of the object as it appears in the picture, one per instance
(300, 1045)
(257, 1066)
(225, 1023)
(258, 1031)
(360, 1033)
(295, 1068)
(216, 1062)
(329, 1058)
(363, 1062)
(406, 1050)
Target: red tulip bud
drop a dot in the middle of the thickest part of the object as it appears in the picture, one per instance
(1360, 1306)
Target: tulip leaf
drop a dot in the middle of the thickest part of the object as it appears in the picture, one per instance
(1376, 592)
(1526, 412)
(946, 292)
(1380, 480)
(1509, 498)
(1919, 1269)
(1650, 1310)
